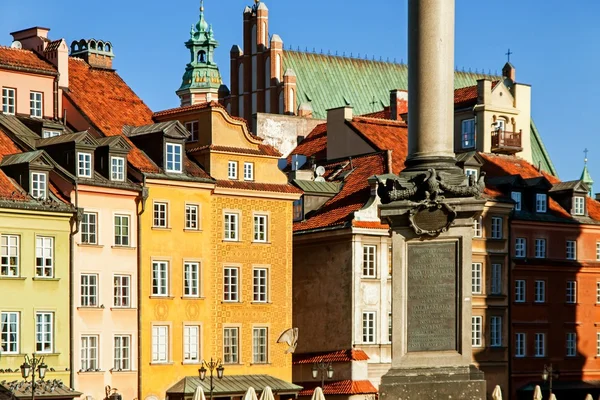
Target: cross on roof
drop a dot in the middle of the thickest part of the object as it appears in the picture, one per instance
(373, 103)
(508, 53)
(585, 152)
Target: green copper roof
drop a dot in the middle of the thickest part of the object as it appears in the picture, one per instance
(539, 154)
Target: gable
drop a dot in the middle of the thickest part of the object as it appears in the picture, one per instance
(228, 132)
(502, 97)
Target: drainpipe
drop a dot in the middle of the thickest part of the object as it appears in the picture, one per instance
(143, 198)
(72, 288)
(56, 97)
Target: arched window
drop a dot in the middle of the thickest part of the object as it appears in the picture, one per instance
(264, 34)
(241, 79)
(281, 102)
(100, 46)
(253, 37)
(202, 56)
(107, 47)
(268, 72)
(291, 101)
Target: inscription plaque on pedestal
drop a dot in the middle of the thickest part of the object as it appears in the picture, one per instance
(432, 296)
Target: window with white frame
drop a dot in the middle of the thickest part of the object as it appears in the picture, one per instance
(38, 185)
(231, 284)
(369, 261)
(44, 332)
(471, 172)
(117, 168)
(8, 100)
(231, 226)
(368, 327)
(476, 331)
(122, 291)
(477, 230)
(35, 104)
(160, 278)
(259, 345)
(84, 165)
(160, 344)
(468, 133)
(44, 257)
(520, 247)
(248, 171)
(540, 345)
(390, 327)
(597, 343)
(579, 206)
(516, 196)
(160, 215)
(259, 285)
(89, 290)
(122, 230)
(231, 345)
(496, 228)
(540, 248)
(260, 228)
(571, 249)
(520, 291)
(9, 332)
(476, 278)
(540, 292)
(541, 202)
(122, 353)
(191, 279)
(571, 344)
(520, 344)
(495, 331)
(191, 216)
(496, 279)
(48, 133)
(597, 251)
(89, 228)
(571, 292)
(191, 343)
(232, 167)
(192, 127)
(9, 255)
(89, 353)
(174, 157)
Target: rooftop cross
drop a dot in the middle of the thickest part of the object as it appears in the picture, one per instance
(508, 53)
(585, 152)
(373, 103)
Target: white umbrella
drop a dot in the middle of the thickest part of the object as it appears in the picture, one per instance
(589, 397)
(318, 394)
(552, 396)
(537, 393)
(199, 393)
(267, 394)
(497, 393)
(250, 394)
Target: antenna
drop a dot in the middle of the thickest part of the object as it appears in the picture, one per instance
(16, 45)
(320, 171)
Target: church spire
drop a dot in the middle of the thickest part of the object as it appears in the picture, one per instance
(585, 175)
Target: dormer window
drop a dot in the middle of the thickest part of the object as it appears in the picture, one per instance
(541, 202)
(232, 168)
(48, 133)
(117, 168)
(38, 185)
(579, 205)
(471, 171)
(468, 133)
(174, 157)
(84, 165)
(516, 196)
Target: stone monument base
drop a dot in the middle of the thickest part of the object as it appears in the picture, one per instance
(456, 383)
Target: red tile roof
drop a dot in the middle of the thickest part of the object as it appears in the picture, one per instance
(261, 187)
(314, 144)
(24, 59)
(593, 208)
(331, 356)
(345, 387)
(9, 190)
(263, 149)
(383, 114)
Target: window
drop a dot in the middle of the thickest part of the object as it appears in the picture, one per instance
(390, 325)
(117, 168)
(174, 157)
(369, 262)
(9, 256)
(122, 291)
(84, 165)
(496, 279)
(232, 169)
(298, 210)
(468, 133)
(8, 100)
(160, 278)
(471, 172)
(516, 196)
(230, 284)
(9, 331)
(520, 247)
(38, 185)
(44, 257)
(44, 332)
(259, 285)
(89, 228)
(230, 345)
(122, 361)
(540, 248)
(540, 291)
(598, 344)
(579, 207)
(89, 290)
(191, 279)
(191, 217)
(476, 278)
(571, 292)
(598, 251)
(368, 327)
(89, 353)
(160, 341)
(231, 226)
(259, 345)
(540, 202)
(496, 228)
(390, 260)
(260, 228)
(540, 344)
(160, 215)
(248, 171)
(496, 331)
(477, 232)
(121, 230)
(192, 127)
(520, 344)
(48, 134)
(35, 104)
(571, 345)
(476, 331)
(520, 294)
(191, 343)
(571, 250)
(598, 292)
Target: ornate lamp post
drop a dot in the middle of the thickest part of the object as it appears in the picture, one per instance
(33, 365)
(547, 375)
(323, 368)
(211, 366)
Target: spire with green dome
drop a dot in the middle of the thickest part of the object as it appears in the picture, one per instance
(202, 79)
(585, 175)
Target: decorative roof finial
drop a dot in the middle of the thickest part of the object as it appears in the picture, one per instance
(201, 6)
(585, 152)
(256, 1)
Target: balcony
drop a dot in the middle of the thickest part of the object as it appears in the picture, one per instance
(506, 142)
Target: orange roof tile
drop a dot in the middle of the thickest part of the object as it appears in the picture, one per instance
(261, 187)
(593, 208)
(314, 144)
(194, 107)
(263, 149)
(370, 225)
(345, 387)
(18, 58)
(9, 190)
(331, 356)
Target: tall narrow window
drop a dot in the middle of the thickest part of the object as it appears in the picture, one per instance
(38, 185)
(540, 344)
(35, 104)
(260, 228)
(191, 279)
(390, 327)
(259, 345)
(368, 327)
(516, 196)
(369, 261)
(571, 344)
(89, 353)
(598, 344)
(44, 332)
(496, 228)
(476, 331)
(571, 249)
(160, 344)
(520, 247)
(471, 172)
(520, 294)
(259, 285)
(191, 343)
(579, 205)
(8, 100)
(230, 345)
(9, 332)
(520, 340)
(84, 165)
(248, 171)
(122, 354)
(160, 215)
(192, 127)
(89, 290)
(540, 248)
(122, 291)
(477, 231)
(9, 255)
(160, 278)
(476, 278)
(571, 292)
(122, 230)
(541, 201)
(231, 227)
(89, 228)
(191, 217)
(230, 284)
(540, 291)
(598, 292)
(468, 133)
(496, 331)
(44, 257)
(496, 279)
(174, 158)
(117, 168)
(597, 251)
(232, 168)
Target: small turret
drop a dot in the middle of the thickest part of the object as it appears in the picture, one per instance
(585, 175)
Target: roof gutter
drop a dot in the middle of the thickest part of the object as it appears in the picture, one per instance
(345, 225)
(143, 198)
(29, 70)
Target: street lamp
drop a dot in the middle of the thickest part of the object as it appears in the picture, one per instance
(547, 375)
(211, 366)
(31, 365)
(323, 368)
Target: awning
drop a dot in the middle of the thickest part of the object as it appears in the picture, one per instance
(48, 389)
(234, 385)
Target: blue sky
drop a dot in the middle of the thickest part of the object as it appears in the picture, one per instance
(555, 47)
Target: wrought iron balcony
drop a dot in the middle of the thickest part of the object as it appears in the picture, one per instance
(506, 142)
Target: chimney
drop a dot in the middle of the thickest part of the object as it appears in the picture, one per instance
(34, 38)
(484, 91)
(508, 71)
(96, 53)
(398, 104)
(57, 52)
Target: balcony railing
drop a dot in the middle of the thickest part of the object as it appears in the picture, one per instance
(506, 142)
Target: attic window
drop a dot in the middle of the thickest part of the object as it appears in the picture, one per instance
(84, 165)
(174, 157)
(541, 202)
(38, 185)
(117, 169)
(516, 196)
(471, 171)
(579, 205)
(48, 133)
